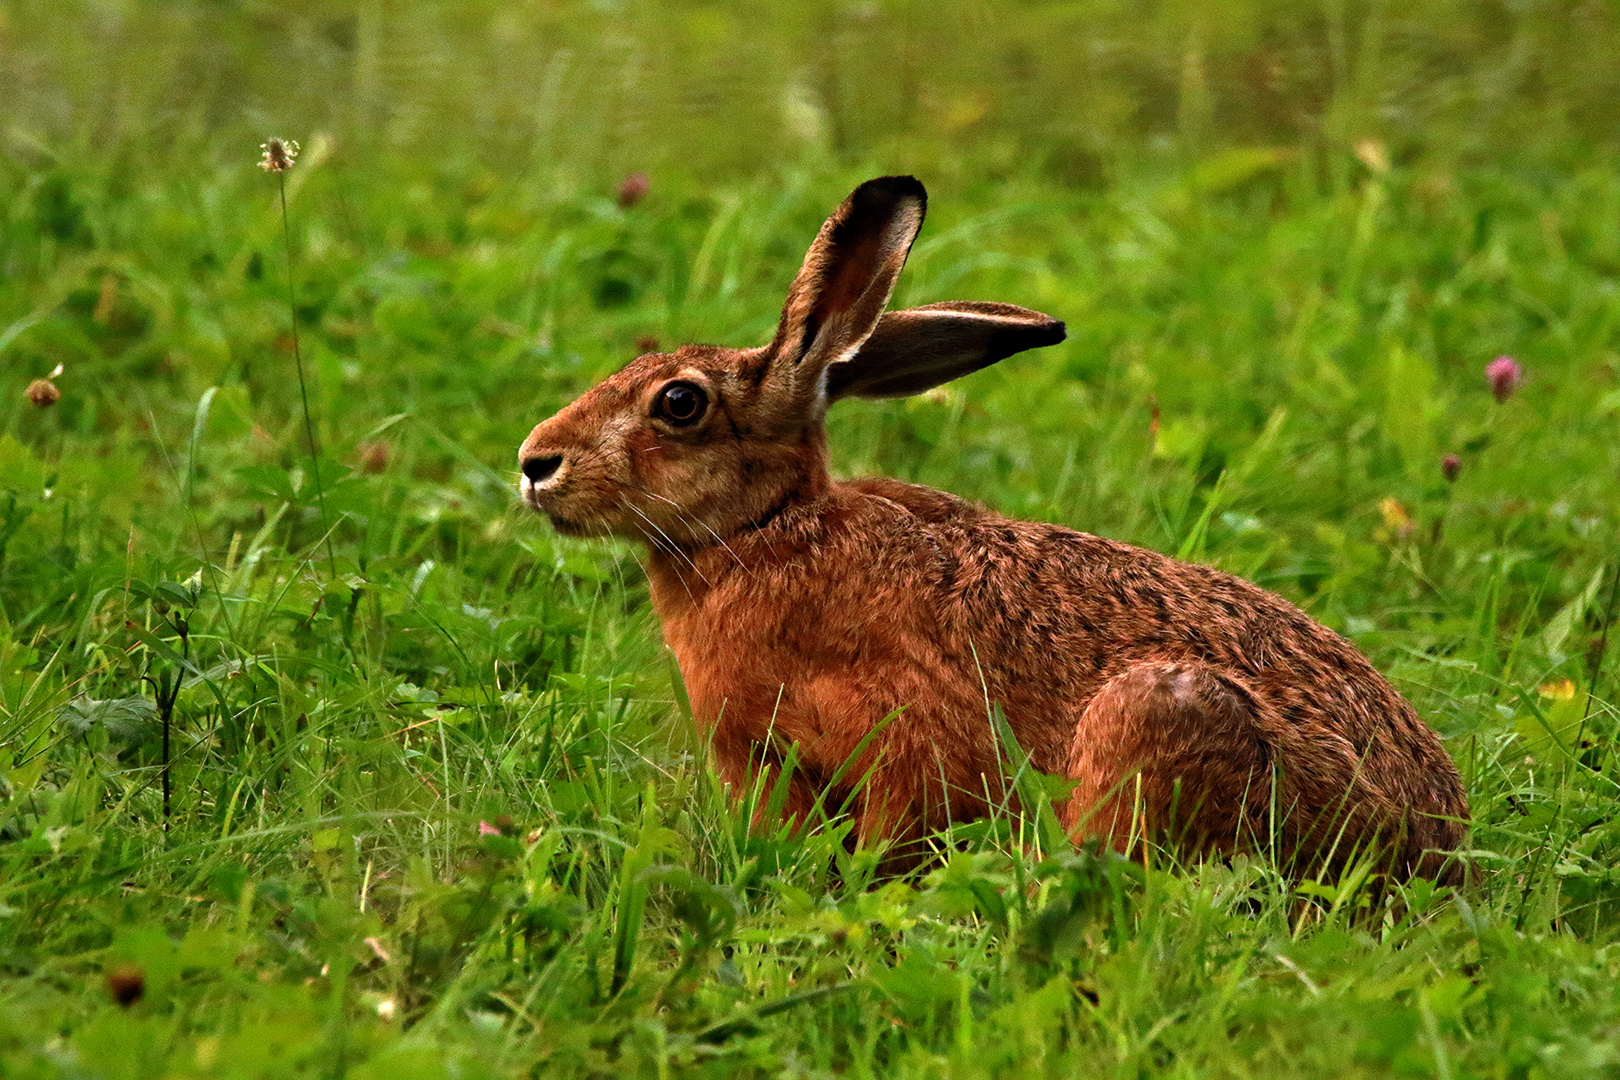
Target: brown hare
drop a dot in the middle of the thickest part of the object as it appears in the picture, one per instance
(806, 610)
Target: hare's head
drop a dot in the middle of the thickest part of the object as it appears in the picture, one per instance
(686, 448)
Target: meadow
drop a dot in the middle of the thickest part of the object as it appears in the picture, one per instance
(340, 763)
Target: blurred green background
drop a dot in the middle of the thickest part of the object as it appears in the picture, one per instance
(1083, 93)
(433, 806)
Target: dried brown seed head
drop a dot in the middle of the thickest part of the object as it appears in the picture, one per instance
(374, 455)
(43, 393)
(126, 984)
(633, 188)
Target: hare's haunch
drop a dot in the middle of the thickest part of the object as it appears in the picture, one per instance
(807, 611)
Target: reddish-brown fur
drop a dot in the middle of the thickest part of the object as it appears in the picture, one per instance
(806, 611)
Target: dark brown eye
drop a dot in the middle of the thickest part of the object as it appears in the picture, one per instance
(682, 403)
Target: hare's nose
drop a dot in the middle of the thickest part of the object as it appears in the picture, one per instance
(541, 467)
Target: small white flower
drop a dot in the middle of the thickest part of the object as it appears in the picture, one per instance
(279, 154)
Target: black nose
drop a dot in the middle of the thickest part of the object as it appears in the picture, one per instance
(541, 469)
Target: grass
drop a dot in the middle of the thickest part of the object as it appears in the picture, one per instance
(432, 805)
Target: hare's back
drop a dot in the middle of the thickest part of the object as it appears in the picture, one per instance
(1053, 613)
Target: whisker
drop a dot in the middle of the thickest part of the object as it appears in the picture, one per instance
(744, 567)
(674, 548)
(680, 513)
(618, 570)
(647, 573)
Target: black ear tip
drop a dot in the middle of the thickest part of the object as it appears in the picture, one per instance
(1040, 331)
(902, 184)
(891, 190)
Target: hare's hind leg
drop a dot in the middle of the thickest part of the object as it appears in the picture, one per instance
(1170, 748)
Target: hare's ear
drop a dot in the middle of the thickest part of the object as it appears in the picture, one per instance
(844, 285)
(919, 348)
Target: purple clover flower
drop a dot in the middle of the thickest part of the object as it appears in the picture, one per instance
(1504, 374)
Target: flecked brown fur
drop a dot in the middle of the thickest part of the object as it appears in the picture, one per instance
(1180, 699)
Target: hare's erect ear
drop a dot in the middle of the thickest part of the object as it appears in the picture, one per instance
(845, 282)
(919, 348)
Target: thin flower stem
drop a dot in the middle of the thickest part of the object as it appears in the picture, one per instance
(1596, 671)
(303, 389)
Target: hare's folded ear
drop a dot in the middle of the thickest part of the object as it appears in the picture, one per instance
(844, 285)
(919, 348)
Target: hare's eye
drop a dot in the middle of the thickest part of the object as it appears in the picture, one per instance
(682, 403)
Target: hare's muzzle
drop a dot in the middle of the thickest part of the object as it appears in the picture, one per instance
(541, 468)
(541, 471)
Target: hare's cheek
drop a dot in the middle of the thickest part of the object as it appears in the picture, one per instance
(668, 469)
(699, 468)
(645, 455)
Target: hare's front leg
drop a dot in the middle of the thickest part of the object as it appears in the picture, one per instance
(1170, 747)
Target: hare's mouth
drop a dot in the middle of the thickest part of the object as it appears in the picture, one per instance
(548, 502)
(567, 527)
(563, 525)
